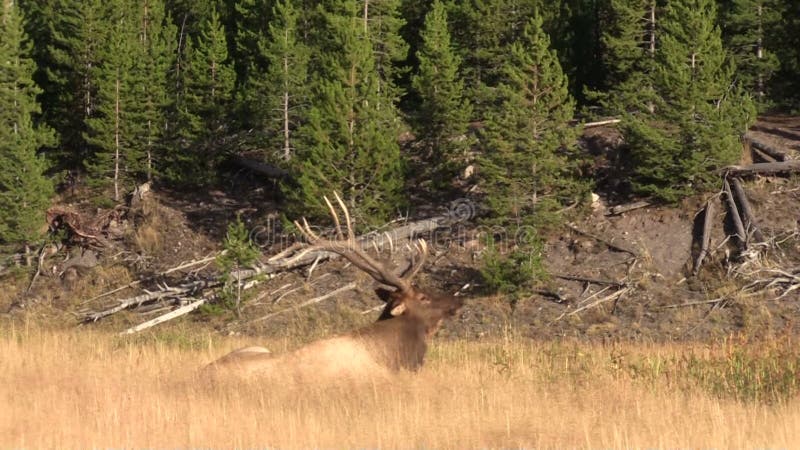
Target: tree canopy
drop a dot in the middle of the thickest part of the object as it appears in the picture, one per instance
(385, 100)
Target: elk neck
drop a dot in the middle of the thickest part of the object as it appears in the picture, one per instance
(398, 343)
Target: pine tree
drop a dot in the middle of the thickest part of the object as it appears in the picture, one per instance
(786, 83)
(154, 57)
(630, 43)
(524, 165)
(190, 14)
(575, 32)
(350, 140)
(279, 97)
(444, 114)
(203, 105)
(111, 129)
(252, 19)
(382, 23)
(699, 111)
(482, 30)
(748, 28)
(24, 189)
(72, 34)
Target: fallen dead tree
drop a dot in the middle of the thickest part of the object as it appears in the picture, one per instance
(736, 218)
(771, 168)
(775, 153)
(190, 295)
(601, 123)
(705, 237)
(614, 283)
(620, 209)
(747, 216)
(742, 219)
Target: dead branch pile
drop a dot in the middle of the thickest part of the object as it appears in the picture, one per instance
(759, 259)
(780, 281)
(749, 238)
(82, 229)
(189, 294)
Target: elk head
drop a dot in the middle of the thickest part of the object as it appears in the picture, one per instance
(423, 310)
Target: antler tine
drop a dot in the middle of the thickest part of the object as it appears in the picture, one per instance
(390, 241)
(350, 234)
(335, 216)
(422, 248)
(305, 230)
(351, 249)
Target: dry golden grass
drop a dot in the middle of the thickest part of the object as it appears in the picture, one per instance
(82, 389)
(149, 236)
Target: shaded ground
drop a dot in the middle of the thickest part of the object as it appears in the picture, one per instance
(184, 226)
(781, 131)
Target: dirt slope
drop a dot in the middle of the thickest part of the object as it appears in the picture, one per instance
(649, 249)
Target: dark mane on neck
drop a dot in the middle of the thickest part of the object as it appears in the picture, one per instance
(398, 342)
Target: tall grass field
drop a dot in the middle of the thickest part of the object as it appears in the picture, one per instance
(84, 389)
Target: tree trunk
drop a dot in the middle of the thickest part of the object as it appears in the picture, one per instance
(652, 48)
(116, 139)
(733, 210)
(705, 239)
(366, 18)
(747, 211)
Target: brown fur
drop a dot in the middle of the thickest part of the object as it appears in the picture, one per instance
(395, 342)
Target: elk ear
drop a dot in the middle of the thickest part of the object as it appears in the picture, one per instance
(398, 309)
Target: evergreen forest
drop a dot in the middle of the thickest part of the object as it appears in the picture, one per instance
(379, 99)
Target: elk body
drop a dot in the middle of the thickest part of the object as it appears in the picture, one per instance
(397, 341)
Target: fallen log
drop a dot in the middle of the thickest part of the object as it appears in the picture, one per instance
(613, 296)
(601, 123)
(619, 209)
(553, 295)
(792, 166)
(771, 150)
(697, 303)
(705, 239)
(591, 280)
(747, 211)
(763, 156)
(182, 311)
(150, 297)
(736, 219)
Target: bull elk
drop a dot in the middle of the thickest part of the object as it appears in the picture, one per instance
(397, 341)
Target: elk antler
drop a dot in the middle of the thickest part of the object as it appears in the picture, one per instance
(351, 249)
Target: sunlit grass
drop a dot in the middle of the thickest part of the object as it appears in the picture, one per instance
(82, 389)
